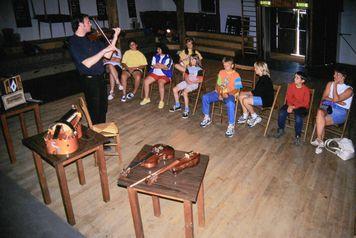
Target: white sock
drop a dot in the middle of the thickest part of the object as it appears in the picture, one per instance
(254, 115)
(206, 117)
(245, 115)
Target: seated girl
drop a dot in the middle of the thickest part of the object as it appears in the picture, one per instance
(192, 77)
(184, 55)
(336, 100)
(160, 72)
(114, 68)
(262, 95)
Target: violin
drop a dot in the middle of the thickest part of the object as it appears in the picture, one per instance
(97, 35)
(160, 152)
(189, 160)
(151, 158)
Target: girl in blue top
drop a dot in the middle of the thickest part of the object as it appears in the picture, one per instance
(160, 72)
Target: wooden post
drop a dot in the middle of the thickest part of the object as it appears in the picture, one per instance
(180, 21)
(113, 15)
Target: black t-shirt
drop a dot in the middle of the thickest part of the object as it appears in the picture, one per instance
(264, 89)
(82, 48)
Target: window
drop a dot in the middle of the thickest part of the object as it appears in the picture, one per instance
(208, 6)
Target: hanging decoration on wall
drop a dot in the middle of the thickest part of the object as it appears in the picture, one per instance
(22, 13)
(101, 6)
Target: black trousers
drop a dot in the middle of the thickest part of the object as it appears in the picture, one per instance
(96, 96)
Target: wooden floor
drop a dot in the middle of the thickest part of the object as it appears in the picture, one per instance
(254, 186)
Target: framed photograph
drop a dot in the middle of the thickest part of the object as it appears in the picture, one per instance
(13, 99)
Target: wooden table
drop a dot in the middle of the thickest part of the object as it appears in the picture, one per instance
(186, 187)
(19, 110)
(91, 142)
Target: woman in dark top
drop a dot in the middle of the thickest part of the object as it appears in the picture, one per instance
(262, 95)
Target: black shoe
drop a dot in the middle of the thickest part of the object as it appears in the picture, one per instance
(279, 133)
(175, 108)
(297, 141)
(185, 114)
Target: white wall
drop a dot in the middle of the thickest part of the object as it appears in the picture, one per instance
(347, 25)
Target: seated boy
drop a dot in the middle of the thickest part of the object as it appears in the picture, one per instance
(228, 84)
(297, 101)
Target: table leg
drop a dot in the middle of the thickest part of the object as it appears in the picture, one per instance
(23, 126)
(80, 171)
(200, 204)
(8, 140)
(156, 206)
(135, 211)
(41, 178)
(67, 203)
(188, 219)
(103, 174)
(38, 119)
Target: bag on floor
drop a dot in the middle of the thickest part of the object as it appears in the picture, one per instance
(344, 147)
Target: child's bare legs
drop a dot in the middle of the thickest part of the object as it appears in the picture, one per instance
(161, 84)
(137, 76)
(146, 84)
(124, 76)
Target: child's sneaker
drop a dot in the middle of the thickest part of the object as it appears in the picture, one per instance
(242, 120)
(297, 141)
(130, 96)
(160, 105)
(317, 142)
(175, 108)
(279, 133)
(145, 101)
(319, 149)
(254, 121)
(205, 122)
(230, 130)
(185, 114)
(111, 96)
(123, 98)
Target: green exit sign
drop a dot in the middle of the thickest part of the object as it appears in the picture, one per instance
(265, 3)
(302, 5)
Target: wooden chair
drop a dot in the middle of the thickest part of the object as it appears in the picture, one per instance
(307, 122)
(109, 129)
(266, 112)
(248, 75)
(221, 114)
(338, 130)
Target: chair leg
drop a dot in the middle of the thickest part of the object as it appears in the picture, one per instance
(269, 120)
(196, 102)
(169, 92)
(312, 135)
(306, 130)
(95, 160)
(236, 104)
(221, 115)
(212, 112)
(118, 148)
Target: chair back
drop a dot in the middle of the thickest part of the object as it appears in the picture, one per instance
(84, 108)
(248, 75)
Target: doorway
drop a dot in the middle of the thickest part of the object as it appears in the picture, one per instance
(288, 34)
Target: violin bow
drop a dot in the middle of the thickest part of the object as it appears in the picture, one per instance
(101, 30)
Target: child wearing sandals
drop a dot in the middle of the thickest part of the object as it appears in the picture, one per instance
(262, 95)
(192, 77)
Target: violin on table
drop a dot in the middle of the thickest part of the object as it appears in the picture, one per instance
(151, 158)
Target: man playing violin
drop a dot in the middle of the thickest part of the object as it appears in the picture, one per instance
(88, 58)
